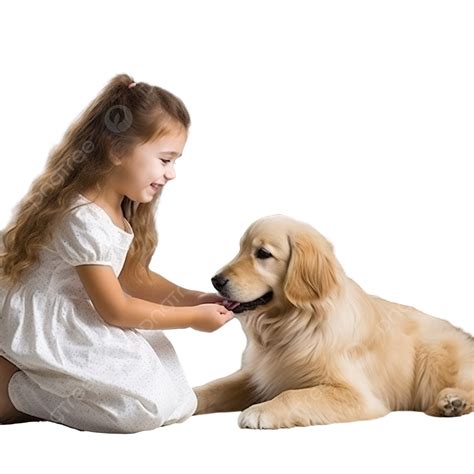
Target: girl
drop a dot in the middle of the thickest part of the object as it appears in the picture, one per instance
(81, 315)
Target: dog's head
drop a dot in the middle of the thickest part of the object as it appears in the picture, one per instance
(281, 261)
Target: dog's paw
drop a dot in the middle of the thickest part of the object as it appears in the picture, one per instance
(257, 417)
(451, 404)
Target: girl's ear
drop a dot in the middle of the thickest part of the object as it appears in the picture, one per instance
(311, 273)
(116, 160)
(113, 155)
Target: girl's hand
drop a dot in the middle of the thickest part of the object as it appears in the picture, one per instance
(216, 298)
(209, 317)
(209, 298)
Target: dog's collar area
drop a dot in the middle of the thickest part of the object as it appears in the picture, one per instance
(249, 305)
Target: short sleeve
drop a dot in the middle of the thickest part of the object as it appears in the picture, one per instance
(82, 238)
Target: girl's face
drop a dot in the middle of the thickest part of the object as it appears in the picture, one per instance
(152, 162)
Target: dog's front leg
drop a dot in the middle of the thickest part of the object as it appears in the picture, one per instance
(322, 404)
(231, 393)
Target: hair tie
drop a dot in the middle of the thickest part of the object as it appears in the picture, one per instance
(132, 84)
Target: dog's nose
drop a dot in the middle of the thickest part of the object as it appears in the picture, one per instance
(219, 282)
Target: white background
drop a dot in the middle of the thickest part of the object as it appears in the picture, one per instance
(356, 117)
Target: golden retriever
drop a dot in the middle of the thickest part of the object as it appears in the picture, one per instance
(319, 349)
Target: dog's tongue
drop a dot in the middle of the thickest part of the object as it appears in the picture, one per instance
(229, 304)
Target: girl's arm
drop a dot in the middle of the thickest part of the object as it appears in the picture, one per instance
(159, 290)
(118, 308)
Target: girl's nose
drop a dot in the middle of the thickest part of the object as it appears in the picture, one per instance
(170, 173)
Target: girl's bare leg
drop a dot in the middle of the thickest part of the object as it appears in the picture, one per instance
(8, 413)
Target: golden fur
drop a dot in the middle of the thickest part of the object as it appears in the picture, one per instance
(323, 350)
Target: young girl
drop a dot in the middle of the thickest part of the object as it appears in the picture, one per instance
(81, 314)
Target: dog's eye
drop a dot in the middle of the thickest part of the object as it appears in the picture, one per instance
(262, 253)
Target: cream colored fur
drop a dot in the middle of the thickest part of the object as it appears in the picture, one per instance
(323, 350)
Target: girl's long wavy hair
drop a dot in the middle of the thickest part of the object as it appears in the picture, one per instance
(117, 120)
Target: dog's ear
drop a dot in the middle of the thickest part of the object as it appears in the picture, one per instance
(311, 273)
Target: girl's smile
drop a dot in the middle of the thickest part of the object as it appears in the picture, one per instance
(142, 174)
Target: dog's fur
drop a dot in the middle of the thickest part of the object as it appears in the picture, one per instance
(322, 350)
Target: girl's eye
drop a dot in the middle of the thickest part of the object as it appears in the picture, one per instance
(165, 161)
(262, 254)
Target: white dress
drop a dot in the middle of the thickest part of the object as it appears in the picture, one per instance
(75, 369)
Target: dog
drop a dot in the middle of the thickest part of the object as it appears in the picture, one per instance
(320, 349)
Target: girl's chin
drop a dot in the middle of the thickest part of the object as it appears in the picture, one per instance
(147, 195)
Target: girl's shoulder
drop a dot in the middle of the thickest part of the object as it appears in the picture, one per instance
(83, 218)
(83, 236)
(82, 211)
(87, 217)
(82, 206)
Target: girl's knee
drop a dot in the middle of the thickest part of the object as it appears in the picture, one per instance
(137, 422)
(126, 419)
(8, 413)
